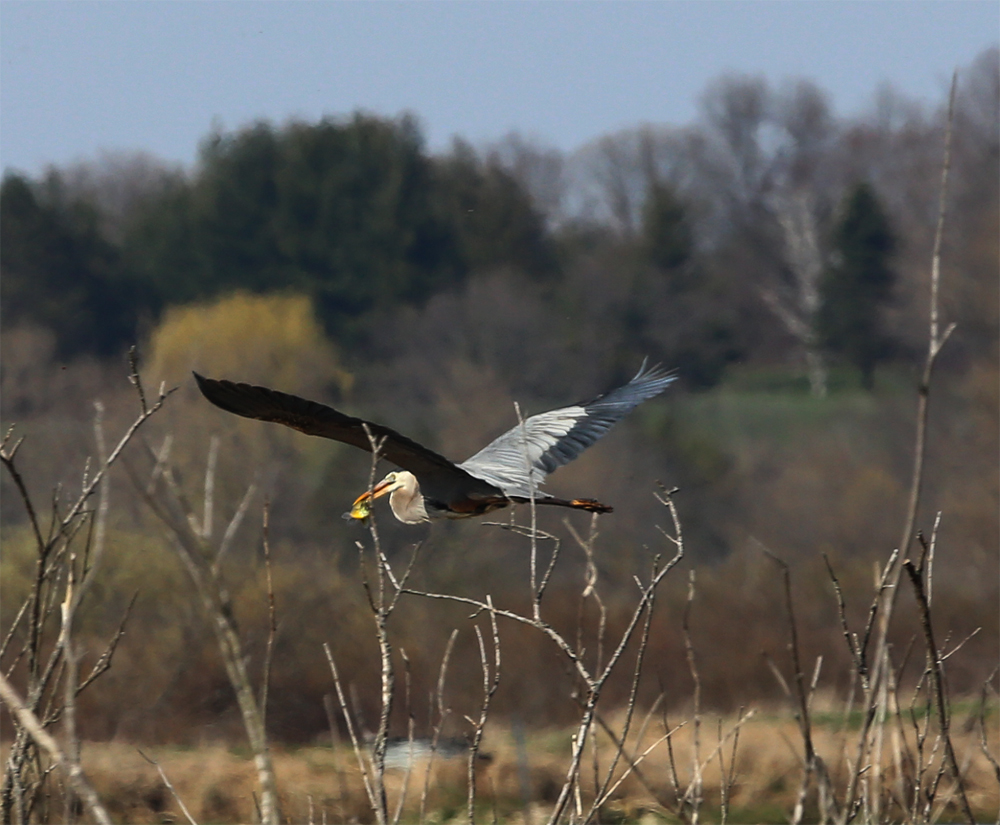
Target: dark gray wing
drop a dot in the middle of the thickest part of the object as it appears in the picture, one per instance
(314, 418)
(549, 440)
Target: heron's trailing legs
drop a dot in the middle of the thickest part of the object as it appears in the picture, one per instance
(588, 504)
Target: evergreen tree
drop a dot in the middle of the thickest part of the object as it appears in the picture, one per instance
(665, 230)
(353, 213)
(858, 284)
(341, 211)
(491, 214)
(674, 313)
(57, 271)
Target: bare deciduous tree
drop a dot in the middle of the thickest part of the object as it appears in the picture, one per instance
(796, 302)
(202, 554)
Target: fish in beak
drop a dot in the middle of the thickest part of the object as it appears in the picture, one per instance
(362, 507)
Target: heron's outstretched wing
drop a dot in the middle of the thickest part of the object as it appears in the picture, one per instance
(313, 418)
(549, 440)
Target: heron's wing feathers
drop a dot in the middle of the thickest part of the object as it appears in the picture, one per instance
(313, 418)
(549, 440)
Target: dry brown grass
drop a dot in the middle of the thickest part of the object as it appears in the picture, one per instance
(323, 784)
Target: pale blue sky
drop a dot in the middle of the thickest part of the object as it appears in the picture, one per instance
(79, 77)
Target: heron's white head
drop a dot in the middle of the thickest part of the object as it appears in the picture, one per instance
(408, 505)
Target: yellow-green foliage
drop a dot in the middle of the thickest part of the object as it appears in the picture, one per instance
(272, 339)
(17, 563)
(132, 561)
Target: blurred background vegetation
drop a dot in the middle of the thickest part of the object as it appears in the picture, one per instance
(775, 254)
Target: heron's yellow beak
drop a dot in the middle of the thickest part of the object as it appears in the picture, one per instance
(362, 506)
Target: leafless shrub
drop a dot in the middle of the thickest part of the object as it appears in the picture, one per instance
(592, 677)
(64, 572)
(69, 765)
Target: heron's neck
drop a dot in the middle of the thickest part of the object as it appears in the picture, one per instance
(407, 502)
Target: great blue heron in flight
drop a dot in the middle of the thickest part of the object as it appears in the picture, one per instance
(429, 486)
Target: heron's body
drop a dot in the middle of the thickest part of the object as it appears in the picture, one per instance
(429, 486)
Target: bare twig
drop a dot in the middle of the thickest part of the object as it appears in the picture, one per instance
(14, 625)
(981, 720)
(729, 778)
(103, 662)
(355, 743)
(232, 527)
(272, 626)
(630, 759)
(74, 773)
(742, 720)
(213, 457)
(604, 793)
(170, 787)
(590, 588)
(693, 797)
(7, 456)
(92, 483)
(442, 713)
(596, 684)
(72, 740)
(490, 684)
(813, 762)
(936, 666)
(331, 719)
(674, 780)
(401, 799)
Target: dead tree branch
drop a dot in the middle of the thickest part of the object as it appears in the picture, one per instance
(74, 773)
(935, 342)
(940, 696)
(196, 554)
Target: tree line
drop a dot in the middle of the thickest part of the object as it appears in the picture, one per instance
(767, 227)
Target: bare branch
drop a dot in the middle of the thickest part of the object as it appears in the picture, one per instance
(14, 625)
(133, 363)
(443, 714)
(74, 773)
(7, 457)
(604, 793)
(490, 685)
(103, 662)
(693, 795)
(934, 345)
(983, 743)
(272, 627)
(213, 457)
(232, 527)
(729, 779)
(170, 787)
(358, 752)
(940, 696)
(88, 490)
